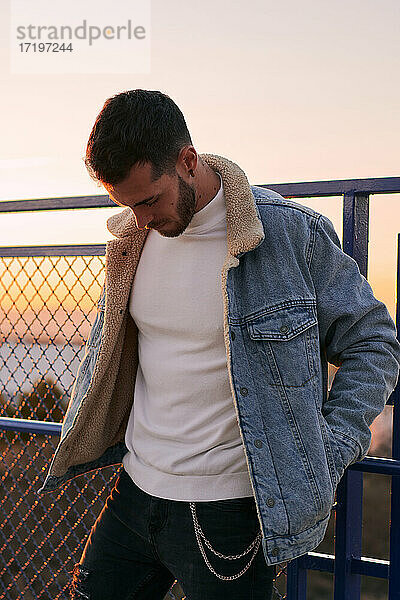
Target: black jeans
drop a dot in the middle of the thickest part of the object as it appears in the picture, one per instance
(141, 544)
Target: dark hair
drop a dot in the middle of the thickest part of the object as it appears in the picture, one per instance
(135, 127)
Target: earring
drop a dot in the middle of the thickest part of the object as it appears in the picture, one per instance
(191, 172)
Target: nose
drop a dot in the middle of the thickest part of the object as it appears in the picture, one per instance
(142, 219)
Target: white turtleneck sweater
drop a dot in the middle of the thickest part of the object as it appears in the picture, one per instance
(182, 436)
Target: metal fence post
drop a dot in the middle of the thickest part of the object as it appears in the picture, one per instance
(348, 523)
(296, 583)
(348, 532)
(394, 565)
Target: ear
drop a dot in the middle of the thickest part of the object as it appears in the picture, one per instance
(188, 161)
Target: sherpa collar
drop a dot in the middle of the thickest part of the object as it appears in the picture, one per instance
(244, 228)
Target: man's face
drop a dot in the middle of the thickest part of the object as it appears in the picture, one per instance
(166, 204)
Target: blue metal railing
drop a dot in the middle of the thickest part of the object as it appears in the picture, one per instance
(347, 564)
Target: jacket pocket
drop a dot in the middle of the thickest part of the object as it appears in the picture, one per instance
(344, 450)
(347, 452)
(287, 337)
(333, 455)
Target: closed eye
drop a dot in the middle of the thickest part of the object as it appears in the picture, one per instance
(151, 203)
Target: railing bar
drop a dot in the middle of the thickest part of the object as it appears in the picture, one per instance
(370, 567)
(30, 426)
(370, 464)
(65, 203)
(382, 466)
(308, 189)
(301, 189)
(62, 250)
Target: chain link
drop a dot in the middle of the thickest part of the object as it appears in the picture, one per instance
(200, 534)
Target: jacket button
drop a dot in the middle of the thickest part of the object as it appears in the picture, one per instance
(275, 551)
(258, 443)
(233, 335)
(284, 329)
(244, 391)
(270, 502)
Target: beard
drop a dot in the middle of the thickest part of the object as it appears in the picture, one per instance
(185, 209)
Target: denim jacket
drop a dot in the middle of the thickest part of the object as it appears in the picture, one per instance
(293, 302)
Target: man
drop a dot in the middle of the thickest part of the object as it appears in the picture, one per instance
(205, 372)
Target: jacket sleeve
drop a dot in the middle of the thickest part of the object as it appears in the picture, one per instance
(357, 335)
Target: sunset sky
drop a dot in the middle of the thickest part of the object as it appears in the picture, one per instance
(291, 91)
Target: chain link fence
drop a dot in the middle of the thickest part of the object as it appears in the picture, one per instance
(47, 304)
